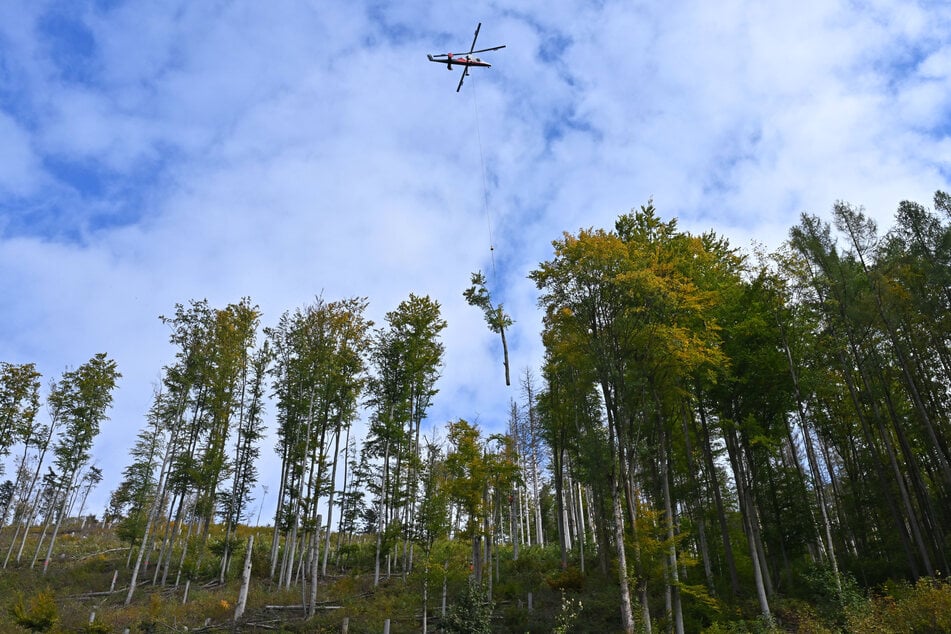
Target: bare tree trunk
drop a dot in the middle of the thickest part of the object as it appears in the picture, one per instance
(46, 524)
(513, 518)
(627, 615)
(379, 525)
(710, 468)
(672, 572)
(314, 570)
(59, 521)
(505, 351)
(29, 494)
(245, 581)
(582, 532)
(330, 503)
(151, 519)
(276, 535)
(748, 515)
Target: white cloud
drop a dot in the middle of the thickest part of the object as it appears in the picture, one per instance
(21, 171)
(281, 151)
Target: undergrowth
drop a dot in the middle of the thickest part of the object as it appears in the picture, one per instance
(531, 594)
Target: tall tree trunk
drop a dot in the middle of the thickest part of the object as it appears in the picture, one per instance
(278, 511)
(718, 499)
(748, 514)
(34, 504)
(697, 511)
(665, 476)
(152, 519)
(330, 502)
(558, 460)
(382, 509)
(627, 615)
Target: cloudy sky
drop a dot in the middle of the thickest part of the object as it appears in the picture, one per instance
(154, 153)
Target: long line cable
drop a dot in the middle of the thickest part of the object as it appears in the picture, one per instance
(485, 189)
(488, 222)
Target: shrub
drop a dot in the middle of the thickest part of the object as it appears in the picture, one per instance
(822, 592)
(923, 608)
(472, 614)
(96, 627)
(571, 578)
(567, 615)
(38, 614)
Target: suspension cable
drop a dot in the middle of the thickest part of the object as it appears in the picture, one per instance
(485, 189)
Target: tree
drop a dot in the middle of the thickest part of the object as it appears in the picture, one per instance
(433, 514)
(250, 430)
(318, 377)
(19, 404)
(195, 410)
(570, 413)
(406, 358)
(82, 396)
(130, 501)
(478, 295)
(7, 489)
(631, 304)
(467, 481)
(472, 613)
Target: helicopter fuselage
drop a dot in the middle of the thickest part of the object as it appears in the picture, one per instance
(465, 60)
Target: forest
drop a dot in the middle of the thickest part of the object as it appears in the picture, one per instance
(716, 441)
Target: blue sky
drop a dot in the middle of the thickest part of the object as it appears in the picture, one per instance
(153, 153)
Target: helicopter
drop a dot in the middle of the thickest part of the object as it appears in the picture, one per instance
(466, 60)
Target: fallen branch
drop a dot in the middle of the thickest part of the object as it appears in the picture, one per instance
(111, 550)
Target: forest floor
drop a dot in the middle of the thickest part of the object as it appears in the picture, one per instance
(86, 584)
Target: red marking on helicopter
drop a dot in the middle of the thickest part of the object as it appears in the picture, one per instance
(465, 60)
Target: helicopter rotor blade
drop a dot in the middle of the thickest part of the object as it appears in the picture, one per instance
(475, 37)
(462, 78)
(483, 50)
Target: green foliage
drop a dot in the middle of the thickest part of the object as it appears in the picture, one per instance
(96, 627)
(38, 613)
(466, 467)
(19, 403)
(742, 627)
(472, 613)
(234, 545)
(525, 574)
(795, 615)
(571, 578)
(130, 529)
(819, 387)
(568, 615)
(823, 593)
(923, 608)
(700, 608)
(478, 295)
